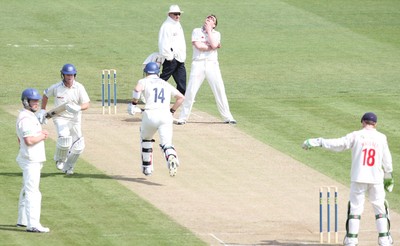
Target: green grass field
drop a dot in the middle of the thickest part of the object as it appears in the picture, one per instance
(293, 69)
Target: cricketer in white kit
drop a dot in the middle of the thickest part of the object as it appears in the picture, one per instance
(157, 116)
(70, 141)
(206, 41)
(371, 173)
(31, 157)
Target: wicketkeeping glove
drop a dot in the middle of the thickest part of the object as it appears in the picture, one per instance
(388, 182)
(41, 115)
(312, 142)
(72, 108)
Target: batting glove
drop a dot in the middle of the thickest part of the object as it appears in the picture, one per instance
(41, 115)
(312, 142)
(131, 109)
(73, 108)
(388, 182)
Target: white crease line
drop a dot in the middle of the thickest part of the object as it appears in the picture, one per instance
(219, 240)
(42, 46)
(197, 115)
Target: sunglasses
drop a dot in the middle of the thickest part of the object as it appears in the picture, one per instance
(176, 13)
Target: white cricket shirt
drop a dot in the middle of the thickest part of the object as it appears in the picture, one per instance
(28, 125)
(370, 154)
(75, 94)
(200, 35)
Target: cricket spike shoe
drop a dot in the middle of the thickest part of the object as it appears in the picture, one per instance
(38, 229)
(147, 170)
(172, 165)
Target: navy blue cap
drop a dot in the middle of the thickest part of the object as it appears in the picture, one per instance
(369, 117)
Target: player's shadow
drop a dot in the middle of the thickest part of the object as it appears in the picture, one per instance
(277, 243)
(12, 228)
(133, 119)
(102, 176)
(208, 122)
(87, 175)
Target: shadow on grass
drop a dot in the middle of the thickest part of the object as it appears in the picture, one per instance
(12, 228)
(277, 243)
(87, 175)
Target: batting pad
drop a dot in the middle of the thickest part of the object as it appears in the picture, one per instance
(63, 145)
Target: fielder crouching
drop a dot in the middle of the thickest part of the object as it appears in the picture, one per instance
(157, 116)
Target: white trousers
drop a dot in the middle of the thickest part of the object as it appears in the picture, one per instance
(376, 196)
(157, 120)
(200, 70)
(30, 198)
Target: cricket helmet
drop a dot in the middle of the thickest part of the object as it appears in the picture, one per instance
(68, 69)
(151, 68)
(29, 94)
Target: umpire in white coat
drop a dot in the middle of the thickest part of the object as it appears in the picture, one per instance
(172, 48)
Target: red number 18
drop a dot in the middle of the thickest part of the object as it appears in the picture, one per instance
(369, 157)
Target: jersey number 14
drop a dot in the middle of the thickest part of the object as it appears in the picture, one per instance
(159, 95)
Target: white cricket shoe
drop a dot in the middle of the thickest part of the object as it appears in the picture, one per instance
(385, 241)
(350, 241)
(172, 165)
(59, 165)
(231, 122)
(147, 170)
(39, 229)
(69, 172)
(180, 122)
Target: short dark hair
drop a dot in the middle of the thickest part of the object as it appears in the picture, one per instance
(216, 20)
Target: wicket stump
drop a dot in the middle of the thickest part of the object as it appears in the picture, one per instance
(103, 72)
(328, 213)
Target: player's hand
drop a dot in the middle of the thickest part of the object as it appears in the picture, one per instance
(45, 134)
(388, 182)
(73, 108)
(41, 115)
(312, 142)
(131, 109)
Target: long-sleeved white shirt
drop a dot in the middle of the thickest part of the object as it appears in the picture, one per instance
(171, 40)
(370, 154)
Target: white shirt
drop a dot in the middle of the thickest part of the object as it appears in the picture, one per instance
(157, 92)
(171, 36)
(28, 125)
(76, 94)
(370, 154)
(200, 35)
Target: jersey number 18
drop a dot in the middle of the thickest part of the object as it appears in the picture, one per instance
(369, 157)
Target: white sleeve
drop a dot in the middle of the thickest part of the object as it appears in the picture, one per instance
(164, 42)
(387, 159)
(338, 144)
